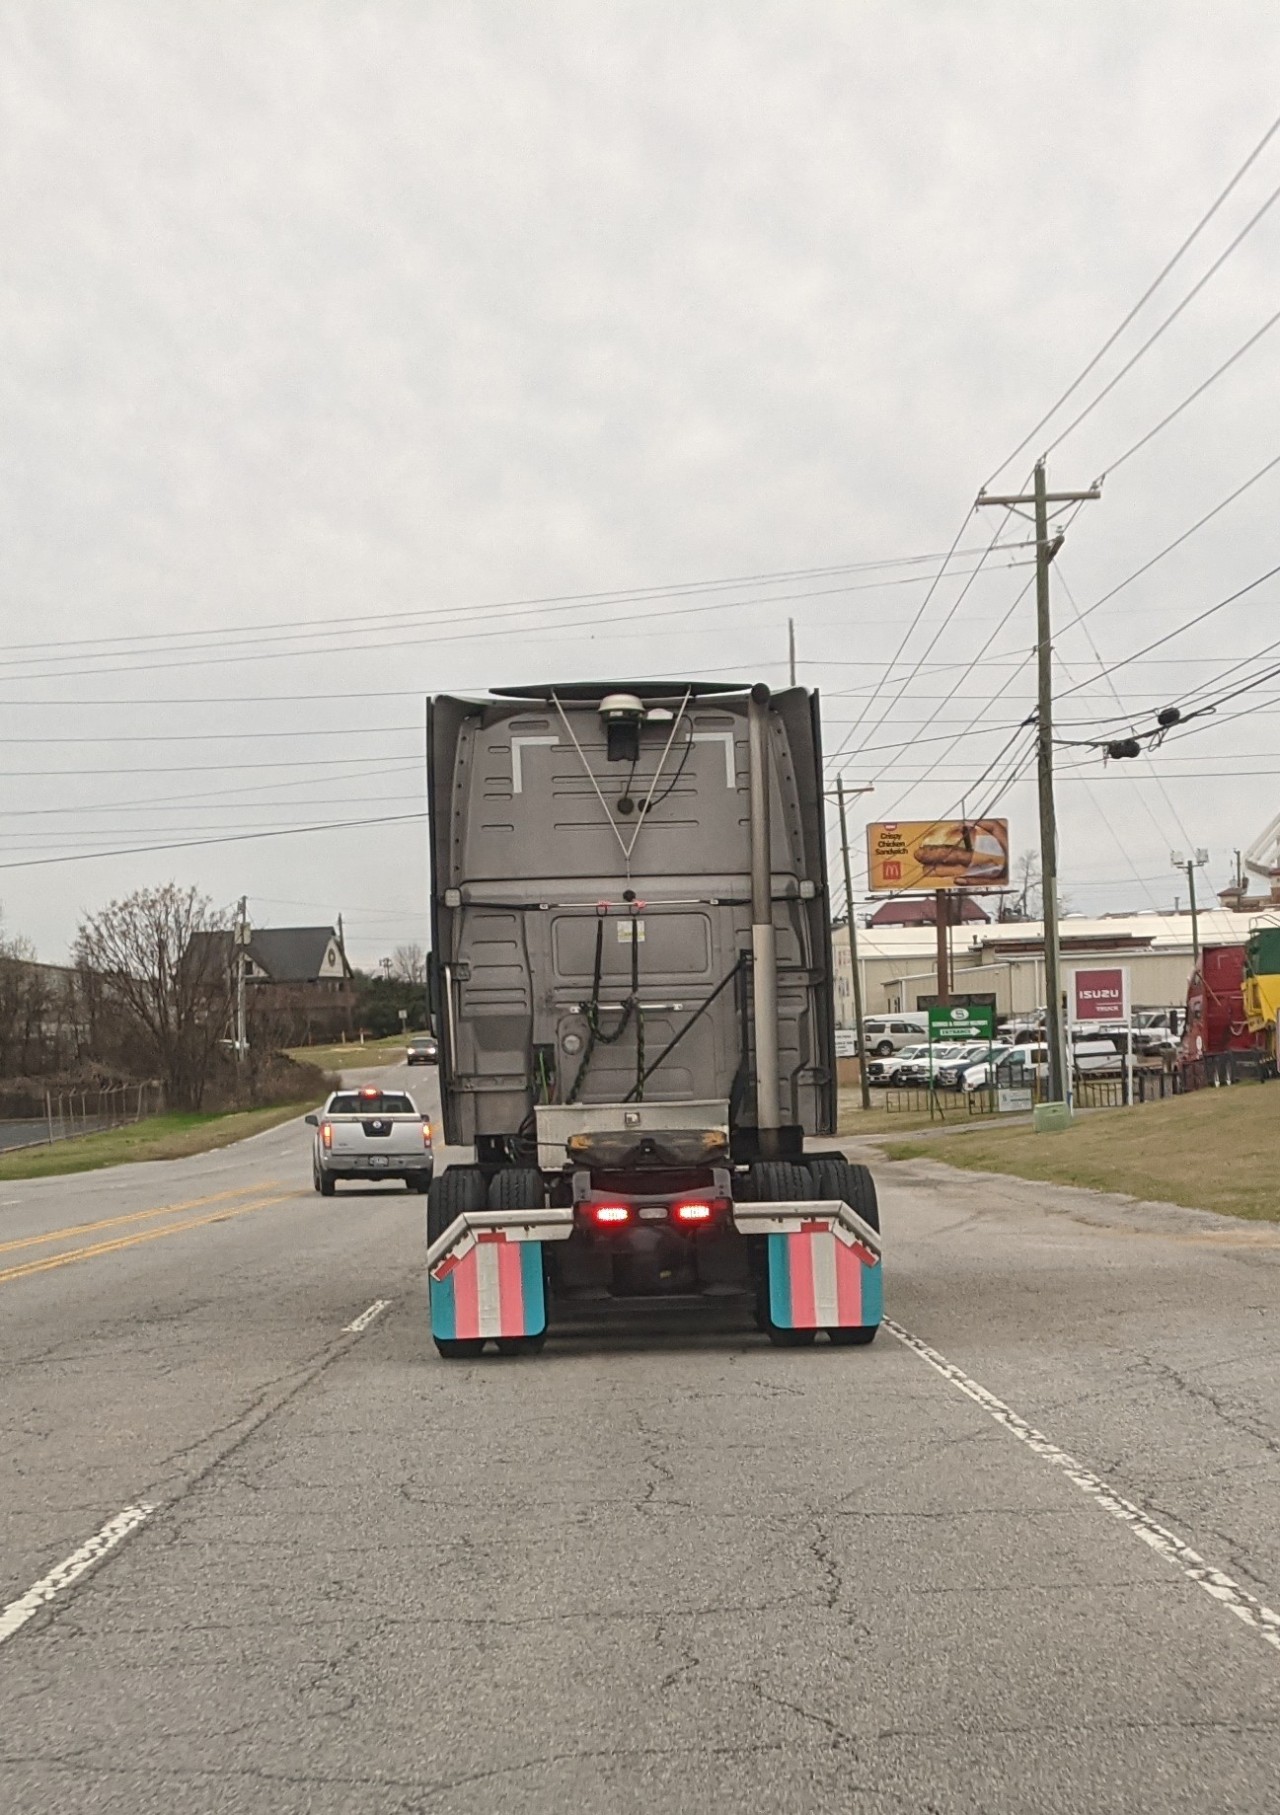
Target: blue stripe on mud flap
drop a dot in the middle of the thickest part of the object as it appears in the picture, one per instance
(535, 1298)
(780, 1280)
(444, 1315)
(872, 1293)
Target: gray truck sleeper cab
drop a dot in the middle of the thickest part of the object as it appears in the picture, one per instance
(617, 1046)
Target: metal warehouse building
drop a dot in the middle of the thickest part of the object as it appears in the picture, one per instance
(1006, 959)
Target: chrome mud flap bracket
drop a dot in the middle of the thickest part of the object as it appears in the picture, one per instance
(824, 1264)
(485, 1275)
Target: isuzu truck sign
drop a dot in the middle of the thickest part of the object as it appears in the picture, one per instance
(1101, 995)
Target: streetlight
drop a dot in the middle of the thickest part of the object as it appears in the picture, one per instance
(1197, 860)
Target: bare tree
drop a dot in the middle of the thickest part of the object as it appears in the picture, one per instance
(158, 963)
(1028, 897)
(410, 964)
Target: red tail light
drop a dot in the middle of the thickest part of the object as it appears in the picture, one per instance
(611, 1214)
(326, 1133)
(698, 1210)
(426, 1134)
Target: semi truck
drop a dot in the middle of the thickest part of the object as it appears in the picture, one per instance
(631, 982)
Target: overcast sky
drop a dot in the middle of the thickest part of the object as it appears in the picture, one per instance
(317, 313)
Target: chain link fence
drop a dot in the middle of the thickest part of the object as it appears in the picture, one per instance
(26, 1122)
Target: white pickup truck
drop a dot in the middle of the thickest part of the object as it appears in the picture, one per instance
(370, 1133)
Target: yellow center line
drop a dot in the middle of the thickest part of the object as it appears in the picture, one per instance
(146, 1235)
(133, 1216)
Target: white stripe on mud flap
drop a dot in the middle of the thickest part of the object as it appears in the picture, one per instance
(15, 1616)
(1264, 1620)
(488, 1295)
(826, 1298)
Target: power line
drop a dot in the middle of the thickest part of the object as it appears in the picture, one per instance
(200, 655)
(1152, 287)
(548, 601)
(1180, 629)
(1178, 541)
(1168, 322)
(196, 844)
(1113, 466)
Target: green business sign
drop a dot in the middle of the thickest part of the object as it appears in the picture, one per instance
(962, 1022)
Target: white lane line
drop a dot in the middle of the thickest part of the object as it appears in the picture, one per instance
(365, 1318)
(1263, 1620)
(15, 1616)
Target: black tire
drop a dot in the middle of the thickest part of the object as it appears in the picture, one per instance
(327, 1185)
(418, 1181)
(522, 1345)
(855, 1336)
(884, 1049)
(780, 1181)
(457, 1190)
(516, 1188)
(453, 1348)
(853, 1185)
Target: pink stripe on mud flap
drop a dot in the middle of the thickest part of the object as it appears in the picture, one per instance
(804, 1315)
(848, 1283)
(511, 1289)
(466, 1298)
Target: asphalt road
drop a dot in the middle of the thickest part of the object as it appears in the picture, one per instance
(659, 1572)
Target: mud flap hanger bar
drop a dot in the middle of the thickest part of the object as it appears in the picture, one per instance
(788, 1219)
(545, 1225)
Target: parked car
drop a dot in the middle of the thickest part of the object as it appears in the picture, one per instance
(370, 1134)
(423, 1049)
(921, 1069)
(885, 1071)
(950, 1074)
(976, 1075)
(890, 1033)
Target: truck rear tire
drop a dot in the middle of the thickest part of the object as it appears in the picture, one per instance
(457, 1190)
(853, 1185)
(453, 1348)
(516, 1188)
(780, 1182)
(326, 1185)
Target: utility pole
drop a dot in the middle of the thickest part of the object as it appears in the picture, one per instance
(1041, 498)
(242, 958)
(864, 1083)
(942, 925)
(1196, 861)
(791, 648)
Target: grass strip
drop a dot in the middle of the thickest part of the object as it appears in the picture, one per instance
(1209, 1150)
(174, 1136)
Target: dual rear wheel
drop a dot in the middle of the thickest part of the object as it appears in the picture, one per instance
(823, 1177)
(454, 1192)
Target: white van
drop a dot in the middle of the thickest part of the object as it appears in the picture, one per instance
(890, 1033)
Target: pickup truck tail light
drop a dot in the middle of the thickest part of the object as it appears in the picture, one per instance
(426, 1134)
(326, 1133)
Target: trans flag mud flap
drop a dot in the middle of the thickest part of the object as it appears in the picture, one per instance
(490, 1285)
(824, 1265)
(822, 1278)
(485, 1275)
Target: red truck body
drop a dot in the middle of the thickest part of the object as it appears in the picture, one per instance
(1215, 1005)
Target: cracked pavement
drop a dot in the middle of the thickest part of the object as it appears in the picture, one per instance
(661, 1568)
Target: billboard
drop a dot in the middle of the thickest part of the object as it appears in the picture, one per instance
(906, 854)
(1100, 995)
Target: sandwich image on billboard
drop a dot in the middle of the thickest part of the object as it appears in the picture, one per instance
(904, 854)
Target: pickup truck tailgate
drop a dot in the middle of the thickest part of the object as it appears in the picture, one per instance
(371, 1136)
